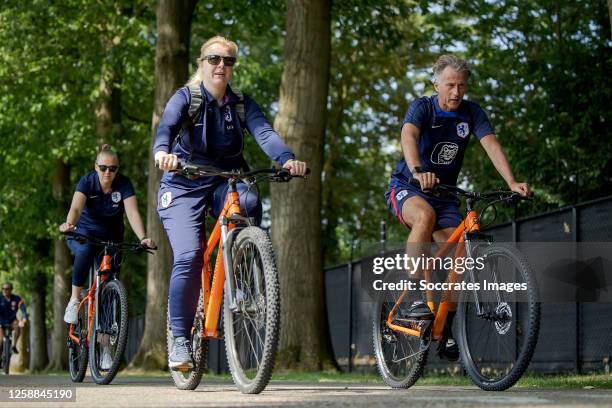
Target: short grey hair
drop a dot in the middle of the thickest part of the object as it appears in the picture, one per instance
(449, 60)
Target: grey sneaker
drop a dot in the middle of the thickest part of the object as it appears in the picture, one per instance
(71, 315)
(180, 355)
(106, 361)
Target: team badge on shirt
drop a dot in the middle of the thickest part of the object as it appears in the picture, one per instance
(229, 125)
(463, 129)
(166, 199)
(116, 196)
(444, 153)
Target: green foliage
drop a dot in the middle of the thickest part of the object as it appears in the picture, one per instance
(53, 57)
(540, 70)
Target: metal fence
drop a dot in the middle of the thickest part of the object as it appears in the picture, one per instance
(574, 337)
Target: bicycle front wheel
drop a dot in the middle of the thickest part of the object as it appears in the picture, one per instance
(109, 332)
(400, 358)
(77, 353)
(251, 320)
(499, 324)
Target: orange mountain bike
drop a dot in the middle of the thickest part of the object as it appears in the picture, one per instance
(100, 334)
(497, 327)
(245, 270)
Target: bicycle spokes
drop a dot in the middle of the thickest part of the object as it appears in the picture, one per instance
(249, 317)
(400, 357)
(500, 330)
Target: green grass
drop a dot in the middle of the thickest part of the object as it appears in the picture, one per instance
(596, 381)
(591, 381)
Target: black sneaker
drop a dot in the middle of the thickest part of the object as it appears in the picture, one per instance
(448, 350)
(180, 355)
(418, 310)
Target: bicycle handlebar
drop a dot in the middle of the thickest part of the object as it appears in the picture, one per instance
(192, 170)
(131, 246)
(500, 194)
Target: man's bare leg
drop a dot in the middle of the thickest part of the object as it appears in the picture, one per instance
(421, 218)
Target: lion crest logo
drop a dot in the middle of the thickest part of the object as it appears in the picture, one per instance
(444, 153)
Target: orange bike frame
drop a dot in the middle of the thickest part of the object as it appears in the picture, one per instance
(90, 298)
(469, 224)
(213, 292)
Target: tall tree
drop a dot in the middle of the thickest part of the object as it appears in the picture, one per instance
(61, 271)
(610, 15)
(38, 331)
(171, 62)
(296, 207)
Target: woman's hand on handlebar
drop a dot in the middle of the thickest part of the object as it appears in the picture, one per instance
(427, 180)
(166, 161)
(295, 167)
(522, 188)
(148, 242)
(67, 227)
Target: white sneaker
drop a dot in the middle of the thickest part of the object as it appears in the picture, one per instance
(71, 315)
(106, 361)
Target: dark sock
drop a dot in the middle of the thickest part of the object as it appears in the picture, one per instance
(449, 324)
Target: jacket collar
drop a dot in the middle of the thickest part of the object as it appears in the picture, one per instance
(230, 97)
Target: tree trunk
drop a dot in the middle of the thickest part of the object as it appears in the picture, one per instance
(62, 263)
(610, 14)
(171, 63)
(38, 331)
(108, 111)
(296, 206)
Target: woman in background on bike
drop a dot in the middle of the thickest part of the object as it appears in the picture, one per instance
(216, 139)
(98, 204)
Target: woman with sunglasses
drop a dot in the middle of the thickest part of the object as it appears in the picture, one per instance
(216, 139)
(98, 204)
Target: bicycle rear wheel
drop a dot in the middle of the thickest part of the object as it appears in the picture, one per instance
(109, 332)
(497, 343)
(251, 325)
(400, 358)
(190, 379)
(78, 353)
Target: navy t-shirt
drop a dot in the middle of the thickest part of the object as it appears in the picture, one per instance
(102, 216)
(443, 137)
(9, 307)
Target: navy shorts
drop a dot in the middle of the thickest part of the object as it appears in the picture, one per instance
(447, 210)
(7, 322)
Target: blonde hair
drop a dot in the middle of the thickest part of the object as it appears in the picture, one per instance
(106, 150)
(196, 78)
(449, 60)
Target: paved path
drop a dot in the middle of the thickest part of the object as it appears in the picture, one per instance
(160, 392)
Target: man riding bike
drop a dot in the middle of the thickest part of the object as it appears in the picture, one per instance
(434, 137)
(9, 304)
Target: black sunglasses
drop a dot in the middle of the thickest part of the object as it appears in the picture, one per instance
(103, 168)
(7, 288)
(216, 60)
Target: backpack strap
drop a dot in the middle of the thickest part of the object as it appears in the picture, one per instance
(193, 115)
(195, 104)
